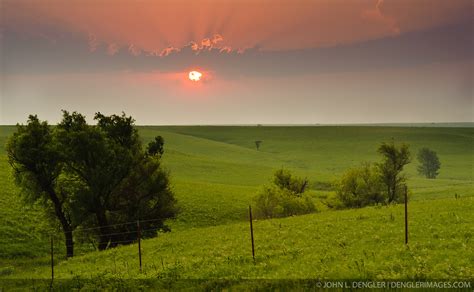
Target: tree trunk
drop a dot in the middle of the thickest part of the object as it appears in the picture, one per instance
(394, 189)
(103, 229)
(69, 243)
(66, 226)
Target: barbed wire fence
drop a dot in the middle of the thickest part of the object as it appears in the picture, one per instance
(85, 240)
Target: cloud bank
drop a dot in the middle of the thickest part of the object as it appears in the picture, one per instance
(163, 27)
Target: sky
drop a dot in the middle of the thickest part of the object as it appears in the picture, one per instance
(262, 61)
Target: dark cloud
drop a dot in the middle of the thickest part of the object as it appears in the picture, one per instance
(33, 54)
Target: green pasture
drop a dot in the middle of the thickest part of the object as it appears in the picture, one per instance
(215, 173)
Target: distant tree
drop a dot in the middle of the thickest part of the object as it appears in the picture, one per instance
(429, 163)
(394, 160)
(37, 164)
(285, 180)
(257, 144)
(361, 186)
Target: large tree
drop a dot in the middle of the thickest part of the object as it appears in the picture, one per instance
(96, 177)
(98, 162)
(120, 181)
(37, 162)
(391, 168)
(429, 163)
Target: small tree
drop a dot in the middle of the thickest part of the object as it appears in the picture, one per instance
(257, 144)
(394, 160)
(429, 163)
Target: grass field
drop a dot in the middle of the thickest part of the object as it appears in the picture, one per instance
(216, 171)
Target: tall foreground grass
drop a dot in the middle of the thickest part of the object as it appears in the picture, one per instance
(363, 243)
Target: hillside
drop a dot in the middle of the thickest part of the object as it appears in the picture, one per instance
(353, 244)
(216, 171)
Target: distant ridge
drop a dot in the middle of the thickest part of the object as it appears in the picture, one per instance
(414, 125)
(429, 125)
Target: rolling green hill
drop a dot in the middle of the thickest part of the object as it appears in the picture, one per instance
(216, 171)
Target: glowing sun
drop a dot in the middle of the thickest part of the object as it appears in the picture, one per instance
(195, 75)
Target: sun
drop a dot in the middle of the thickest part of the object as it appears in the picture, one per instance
(195, 75)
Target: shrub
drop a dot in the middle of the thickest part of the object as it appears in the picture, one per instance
(286, 181)
(273, 202)
(359, 187)
(285, 197)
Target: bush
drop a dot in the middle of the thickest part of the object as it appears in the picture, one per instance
(286, 181)
(274, 202)
(285, 197)
(359, 187)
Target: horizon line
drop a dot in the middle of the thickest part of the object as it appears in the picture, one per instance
(393, 124)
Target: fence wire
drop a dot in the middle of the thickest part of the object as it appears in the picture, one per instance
(87, 239)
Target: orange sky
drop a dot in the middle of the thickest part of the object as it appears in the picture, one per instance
(263, 61)
(151, 26)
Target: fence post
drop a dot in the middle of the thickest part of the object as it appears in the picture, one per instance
(139, 244)
(406, 215)
(52, 260)
(251, 233)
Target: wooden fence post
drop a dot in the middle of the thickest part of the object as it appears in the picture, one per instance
(251, 232)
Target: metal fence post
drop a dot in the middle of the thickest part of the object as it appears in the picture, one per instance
(251, 232)
(139, 244)
(52, 260)
(406, 215)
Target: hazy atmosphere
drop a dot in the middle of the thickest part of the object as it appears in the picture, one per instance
(264, 62)
(236, 145)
